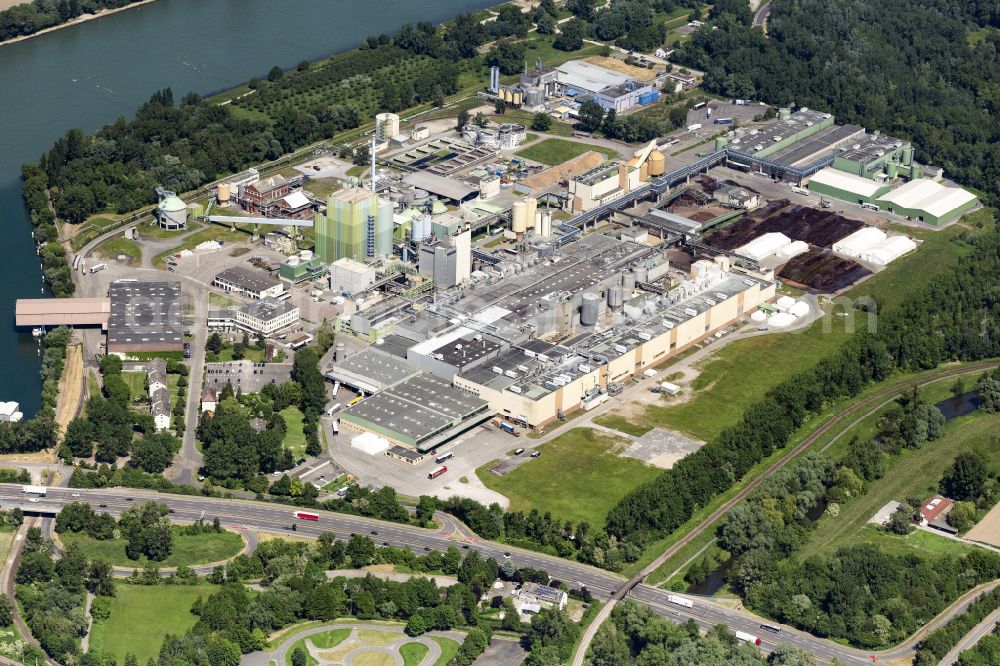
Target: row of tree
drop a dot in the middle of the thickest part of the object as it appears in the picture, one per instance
(40, 432)
(30, 17)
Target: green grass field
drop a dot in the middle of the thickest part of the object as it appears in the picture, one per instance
(413, 653)
(295, 437)
(142, 615)
(136, 382)
(325, 640)
(912, 473)
(118, 245)
(189, 550)
(578, 477)
(557, 151)
(209, 233)
(449, 650)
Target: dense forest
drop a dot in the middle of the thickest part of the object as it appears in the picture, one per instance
(30, 17)
(923, 70)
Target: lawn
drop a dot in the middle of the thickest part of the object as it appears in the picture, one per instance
(142, 615)
(449, 650)
(295, 438)
(151, 230)
(250, 354)
(189, 550)
(913, 473)
(413, 653)
(578, 477)
(324, 640)
(322, 187)
(118, 245)
(136, 382)
(557, 151)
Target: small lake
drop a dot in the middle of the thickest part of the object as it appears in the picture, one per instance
(960, 405)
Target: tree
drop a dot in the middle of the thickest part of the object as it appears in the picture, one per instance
(416, 626)
(609, 647)
(966, 478)
(6, 616)
(546, 24)
(214, 343)
(299, 657)
(508, 56)
(962, 515)
(362, 155)
(570, 37)
(789, 655)
(582, 8)
(275, 74)
(989, 394)
(463, 118)
(591, 115)
(541, 122)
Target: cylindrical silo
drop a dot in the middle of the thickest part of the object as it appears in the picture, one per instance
(657, 163)
(641, 275)
(590, 309)
(517, 98)
(616, 297)
(891, 170)
(519, 219)
(907, 155)
(305, 255)
(531, 207)
(628, 283)
(915, 172)
(223, 194)
(720, 142)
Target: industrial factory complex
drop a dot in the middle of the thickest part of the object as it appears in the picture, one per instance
(469, 283)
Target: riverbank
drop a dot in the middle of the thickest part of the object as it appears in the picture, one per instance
(75, 21)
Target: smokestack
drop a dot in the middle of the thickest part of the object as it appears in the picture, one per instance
(373, 161)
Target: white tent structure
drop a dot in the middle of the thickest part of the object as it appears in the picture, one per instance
(888, 250)
(370, 443)
(860, 241)
(793, 249)
(781, 320)
(764, 246)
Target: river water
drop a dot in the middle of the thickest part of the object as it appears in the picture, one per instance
(90, 74)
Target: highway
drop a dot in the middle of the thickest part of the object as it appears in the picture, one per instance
(277, 518)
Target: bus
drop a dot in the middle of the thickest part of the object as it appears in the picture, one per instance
(869, 206)
(772, 628)
(356, 401)
(437, 472)
(445, 457)
(302, 515)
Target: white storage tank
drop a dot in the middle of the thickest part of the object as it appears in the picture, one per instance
(519, 219)
(590, 309)
(306, 255)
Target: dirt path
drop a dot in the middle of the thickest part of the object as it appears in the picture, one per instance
(70, 388)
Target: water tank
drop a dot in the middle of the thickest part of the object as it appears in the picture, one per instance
(907, 155)
(531, 207)
(616, 297)
(628, 282)
(519, 221)
(590, 309)
(915, 172)
(223, 194)
(890, 170)
(641, 275)
(720, 143)
(306, 255)
(657, 163)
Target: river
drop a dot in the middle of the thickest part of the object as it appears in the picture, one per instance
(89, 74)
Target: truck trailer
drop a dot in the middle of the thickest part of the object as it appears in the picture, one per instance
(34, 490)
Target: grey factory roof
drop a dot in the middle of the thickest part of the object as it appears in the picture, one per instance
(144, 312)
(245, 278)
(449, 188)
(372, 370)
(267, 309)
(531, 365)
(597, 174)
(466, 350)
(818, 145)
(588, 77)
(672, 221)
(870, 147)
(779, 129)
(417, 410)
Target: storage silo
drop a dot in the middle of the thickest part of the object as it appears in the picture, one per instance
(628, 283)
(915, 172)
(223, 193)
(616, 297)
(907, 154)
(517, 98)
(519, 218)
(784, 113)
(531, 206)
(657, 164)
(386, 126)
(720, 142)
(891, 170)
(590, 309)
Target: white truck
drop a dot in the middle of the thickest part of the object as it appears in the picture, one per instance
(680, 601)
(747, 638)
(96, 268)
(34, 490)
(692, 128)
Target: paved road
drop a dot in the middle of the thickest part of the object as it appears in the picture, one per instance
(984, 628)
(760, 18)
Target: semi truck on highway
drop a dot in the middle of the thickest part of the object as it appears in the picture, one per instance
(747, 638)
(680, 601)
(302, 515)
(34, 490)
